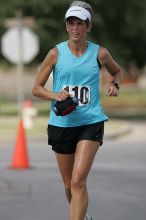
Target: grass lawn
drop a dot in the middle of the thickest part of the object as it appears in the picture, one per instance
(9, 128)
(131, 103)
(127, 98)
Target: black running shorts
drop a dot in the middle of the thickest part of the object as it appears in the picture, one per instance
(64, 140)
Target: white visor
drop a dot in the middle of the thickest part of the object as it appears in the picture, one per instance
(79, 12)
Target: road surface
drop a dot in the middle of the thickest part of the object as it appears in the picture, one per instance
(116, 183)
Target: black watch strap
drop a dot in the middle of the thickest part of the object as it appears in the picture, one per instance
(116, 84)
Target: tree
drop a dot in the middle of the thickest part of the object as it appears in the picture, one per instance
(117, 25)
(120, 26)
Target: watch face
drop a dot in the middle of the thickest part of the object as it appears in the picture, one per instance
(116, 82)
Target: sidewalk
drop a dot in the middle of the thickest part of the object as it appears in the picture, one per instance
(116, 128)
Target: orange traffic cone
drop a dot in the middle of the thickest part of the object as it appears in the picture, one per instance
(20, 158)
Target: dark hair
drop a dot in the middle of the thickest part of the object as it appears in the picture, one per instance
(83, 5)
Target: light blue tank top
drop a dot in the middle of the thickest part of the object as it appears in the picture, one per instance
(80, 76)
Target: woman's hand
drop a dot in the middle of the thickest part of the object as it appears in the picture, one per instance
(62, 95)
(111, 90)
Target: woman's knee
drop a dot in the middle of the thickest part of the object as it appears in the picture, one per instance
(77, 182)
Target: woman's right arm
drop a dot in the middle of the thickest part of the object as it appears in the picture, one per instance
(45, 70)
(43, 75)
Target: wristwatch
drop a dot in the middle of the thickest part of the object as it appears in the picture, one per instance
(116, 84)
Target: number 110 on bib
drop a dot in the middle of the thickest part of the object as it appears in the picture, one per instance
(80, 92)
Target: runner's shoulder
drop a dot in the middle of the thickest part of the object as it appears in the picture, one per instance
(53, 55)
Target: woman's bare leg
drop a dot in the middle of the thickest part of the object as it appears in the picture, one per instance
(65, 163)
(84, 157)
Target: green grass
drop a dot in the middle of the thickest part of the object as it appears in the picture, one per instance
(127, 98)
(9, 127)
(8, 108)
(131, 103)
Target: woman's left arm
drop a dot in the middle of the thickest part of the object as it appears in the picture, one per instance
(114, 69)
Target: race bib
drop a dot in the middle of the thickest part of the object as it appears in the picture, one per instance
(80, 92)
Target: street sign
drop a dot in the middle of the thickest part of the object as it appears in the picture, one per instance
(15, 38)
(19, 45)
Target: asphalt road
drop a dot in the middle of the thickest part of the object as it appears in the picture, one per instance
(116, 183)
